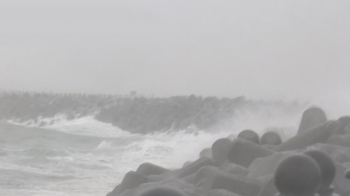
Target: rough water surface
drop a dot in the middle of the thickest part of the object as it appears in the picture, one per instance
(87, 157)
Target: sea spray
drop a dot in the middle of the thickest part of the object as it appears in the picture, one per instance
(96, 155)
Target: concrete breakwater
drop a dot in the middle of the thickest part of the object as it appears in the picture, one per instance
(312, 162)
(135, 114)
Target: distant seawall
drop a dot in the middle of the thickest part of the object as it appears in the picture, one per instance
(135, 114)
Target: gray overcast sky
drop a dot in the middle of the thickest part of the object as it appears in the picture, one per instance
(260, 49)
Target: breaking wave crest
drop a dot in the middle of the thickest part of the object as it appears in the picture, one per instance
(89, 157)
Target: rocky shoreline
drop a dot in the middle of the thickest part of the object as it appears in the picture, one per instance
(313, 162)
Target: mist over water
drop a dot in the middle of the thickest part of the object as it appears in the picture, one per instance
(87, 157)
(63, 156)
(260, 49)
(335, 101)
(274, 50)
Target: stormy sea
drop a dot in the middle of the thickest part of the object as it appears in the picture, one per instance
(81, 145)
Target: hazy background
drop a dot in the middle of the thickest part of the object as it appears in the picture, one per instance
(260, 49)
(278, 49)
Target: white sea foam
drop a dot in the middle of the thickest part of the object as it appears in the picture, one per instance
(172, 149)
(88, 125)
(40, 121)
(104, 145)
(120, 151)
